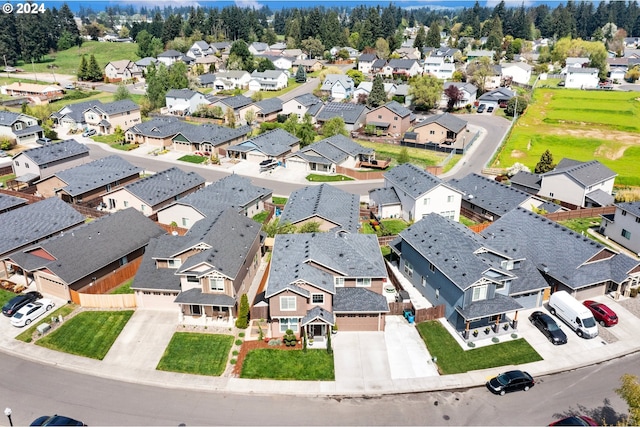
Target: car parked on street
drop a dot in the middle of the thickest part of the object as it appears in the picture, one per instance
(31, 312)
(603, 314)
(548, 327)
(19, 301)
(575, 420)
(56, 420)
(510, 381)
(89, 132)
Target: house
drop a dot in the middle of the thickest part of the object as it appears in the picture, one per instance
(153, 192)
(296, 54)
(169, 57)
(411, 193)
(575, 62)
(581, 78)
(182, 102)
(20, 128)
(34, 92)
(445, 52)
(76, 259)
(233, 79)
(469, 93)
(45, 160)
(479, 284)
(275, 144)
(301, 105)
(233, 103)
(354, 115)
(436, 130)
(268, 80)
(232, 191)
(474, 55)
(206, 80)
(364, 89)
(145, 63)
(309, 65)
(317, 280)
(378, 65)
(581, 184)
(438, 67)
(352, 53)
(106, 118)
(282, 63)
(209, 63)
(568, 261)
(495, 97)
(485, 199)
(519, 72)
(209, 139)
(402, 68)
(392, 118)
(32, 223)
(257, 48)
(365, 61)
(338, 86)
(266, 110)
(200, 49)
(623, 226)
(158, 132)
(201, 275)
(328, 154)
(331, 208)
(408, 52)
(122, 70)
(89, 181)
(402, 94)
(9, 203)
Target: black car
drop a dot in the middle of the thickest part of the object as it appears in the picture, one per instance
(510, 381)
(17, 302)
(548, 327)
(56, 420)
(481, 108)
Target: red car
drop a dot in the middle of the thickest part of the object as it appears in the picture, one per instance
(575, 420)
(603, 314)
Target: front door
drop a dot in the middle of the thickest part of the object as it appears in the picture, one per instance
(317, 330)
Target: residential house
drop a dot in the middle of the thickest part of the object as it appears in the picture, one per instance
(200, 49)
(581, 78)
(268, 80)
(275, 144)
(408, 52)
(317, 280)
(144, 63)
(565, 259)
(209, 139)
(203, 274)
(391, 118)
(296, 54)
(474, 55)
(581, 184)
(617, 68)
(495, 97)
(331, 208)
(106, 118)
(412, 193)
(21, 128)
(469, 93)
(485, 199)
(575, 62)
(282, 63)
(623, 226)
(257, 48)
(338, 86)
(34, 92)
(76, 259)
(309, 65)
(233, 103)
(438, 67)
(209, 63)
(9, 203)
(436, 130)
(45, 160)
(89, 181)
(206, 80)
(266, 110)
(328, 154)
(158, 132)
(377, 66)
(402, 94)
(301, 105)
(365, 61)
(518, 72)
(354, 115)
(169, 57)
(122, 70)
(153, 192)
(182, 102)
(232, 191)
(352, 53)
(402, 68)
(445, 52)
(364, 90)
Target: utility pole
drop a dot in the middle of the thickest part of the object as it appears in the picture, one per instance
(34, 70)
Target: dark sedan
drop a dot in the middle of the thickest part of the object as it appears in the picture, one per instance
(510, 381)
(548, 327)
(56, 420)
(16, 303)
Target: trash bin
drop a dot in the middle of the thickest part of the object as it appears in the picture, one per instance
(410, 318)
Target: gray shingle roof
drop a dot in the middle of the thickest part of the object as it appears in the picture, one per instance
(269, 105)
(631, 207)
(527, 179)
(164, 185)
(159, 127)
(446, 120)
(149, 276)
(207, 79)
(318, 313)
(397, 108)
(7, 118)
(8, 202)
(359, 300)
(236, 102)
(600, 197)
(212, 133)
(51, 153)
(331, 79)
(29, 130)
(89, 176)
(308, 99)
(349, 112)
(170, 54)
(76, 111)
(196, 296)
(367, 57)
(402, 63)
(412, 180)
(384, 196)
(34, 222)
(273, 143)
(585, 173)
(181, 93)
(325, 201)
(490, 307)
(470, 88)
(497, 95)
(117, 107)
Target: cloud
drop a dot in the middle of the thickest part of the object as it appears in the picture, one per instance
(251, 4)
(511, 3)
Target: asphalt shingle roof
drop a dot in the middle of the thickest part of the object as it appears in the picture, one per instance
(159, 127)
(212, 133)
(631, 207)
(7, 202)
(149, 276)
(397, 108)
(354, 300)
(446, 120)
(236, 102)
(273, 143)
(269, 105)
(164, 185)
(384, 196)
(412, 180)
(585, 173)
(181, 93)
(51, 153)
(7, 118)
(527, 179)
(349, 112)
(489, 307)
(117, 107)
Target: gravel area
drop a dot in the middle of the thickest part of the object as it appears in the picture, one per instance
(605, 335)
(631, 304)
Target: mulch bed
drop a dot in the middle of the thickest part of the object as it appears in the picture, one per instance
(248, 346)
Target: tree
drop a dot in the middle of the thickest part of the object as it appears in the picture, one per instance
(265, 64)
(230, 118)
(433, 36)
(178, 76)
(312, 46)
(517, 102)
(242, 322)
(378, 96)
(479, 71)
(334, 126)
(301, 74)
(546, 163)
(403, 156)
(305, 131)
(118, 134)
(629, 391)
(421, 39)
(121, 93)
(356, 76)
(426, 91)
(274, 227)
(82, 69)
(309, 227)
(250, 116)
(9, 47)
(454, 96)
(382, 48)
(66, 41)
(94, 72)
(157, 85)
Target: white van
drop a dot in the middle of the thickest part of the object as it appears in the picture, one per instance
(574, 314)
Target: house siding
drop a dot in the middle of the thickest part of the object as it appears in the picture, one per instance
(629, 222)
(398, 125)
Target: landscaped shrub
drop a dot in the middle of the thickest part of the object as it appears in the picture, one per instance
(235, 352)
(233, 361)
(238, 342)
(633, 293)
(241, 334)
(495, 339)
(289, 338)
(275, 343)
(242, 322)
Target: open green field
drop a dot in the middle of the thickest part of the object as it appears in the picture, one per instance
(581, 125)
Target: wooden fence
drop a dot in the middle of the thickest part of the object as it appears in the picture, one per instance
(581, 213)
(89, 212)
(30, 198)
(113, 280)
(104, 301)
(421, 315)
(360, 175)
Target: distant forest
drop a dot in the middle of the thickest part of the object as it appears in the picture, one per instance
(31, 37)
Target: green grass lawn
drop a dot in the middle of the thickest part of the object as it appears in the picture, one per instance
(393, 226)
(5, 178)
(193, 353)
(193, 159)
(466, 221)
(64, 311)
(581, 225)
(312, 365)
(261, 217)
(454, 360)
(581, 125)
(111, 141)
(327, 178)
(5, 296)
(125, 288)
(273, 93)
(89, 334)
(417, 156)
(279, 200)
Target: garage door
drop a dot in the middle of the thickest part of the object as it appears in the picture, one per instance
(592, 292)
(297, 165)
(48, 287)
(159, 301)
(360, 322)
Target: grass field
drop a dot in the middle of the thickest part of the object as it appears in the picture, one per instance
(581, 125)
(193, 353)
(417, 156)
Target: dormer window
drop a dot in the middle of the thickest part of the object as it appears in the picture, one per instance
(479, 293)
(174, 263)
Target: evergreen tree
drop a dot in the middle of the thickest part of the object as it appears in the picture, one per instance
(32, 37)
(433, 35)
(265, 64)
(83, 69)
(242, 322)
(421, 39)
(94, 72)
(9, 46)
(546, 163)
(301, 75)
(178, 76)
(378, 96)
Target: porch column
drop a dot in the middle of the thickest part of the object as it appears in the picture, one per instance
(466, 329)
(514, 324)
(496, 327)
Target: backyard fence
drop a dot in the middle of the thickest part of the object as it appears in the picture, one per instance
(581, 213)
(104, 301)
(113, 280)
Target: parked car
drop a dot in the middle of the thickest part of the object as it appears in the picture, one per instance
(19, 301)
(575, 420)
(490, 110)
(548, 327)
(481, 108)
(268, 164)
(43, 141)
(31, 312)
(56, 420)
(574, 314)
(89, 132)
(510, 381)
(69, 87)
(603, 314)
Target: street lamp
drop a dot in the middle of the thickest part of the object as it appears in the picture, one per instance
(7, 412)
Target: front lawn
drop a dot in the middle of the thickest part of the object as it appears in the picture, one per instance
(417, 156)
(291, 85)
(194, 353)
(327, 178)
(64, 311)
(454, 360)
(312, 365)
(89, 334)
(193, 159)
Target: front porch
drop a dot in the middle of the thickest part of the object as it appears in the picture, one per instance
(488, 319)
(204, 309)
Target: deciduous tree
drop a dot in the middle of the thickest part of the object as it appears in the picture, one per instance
(426, 91)
(629, 391)
(454, 96)
(334, 126)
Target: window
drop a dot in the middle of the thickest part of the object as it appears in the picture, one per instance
(18, 126)
(17, 163)
(423, 282)
(432, 267)
(196, 310)
(479, 293)
(379, 116)
(500, 286)
(449, 199)
(123, 261)
(339, 281)
(363, 282)
(438, 293)
(408, 269)
(193, 279)
(288, 323)
(427, 201)
(112, 203)
(216, 284)
(626, 234)
(26, 165)
(550, 194)
(126, 204)
(287, 303)
(432, 132)
(637, 219)
(108, 187)
(174, 263)
(141, 208)
(623, 213)
(395, 118)
(317, 298)
(185, 222)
